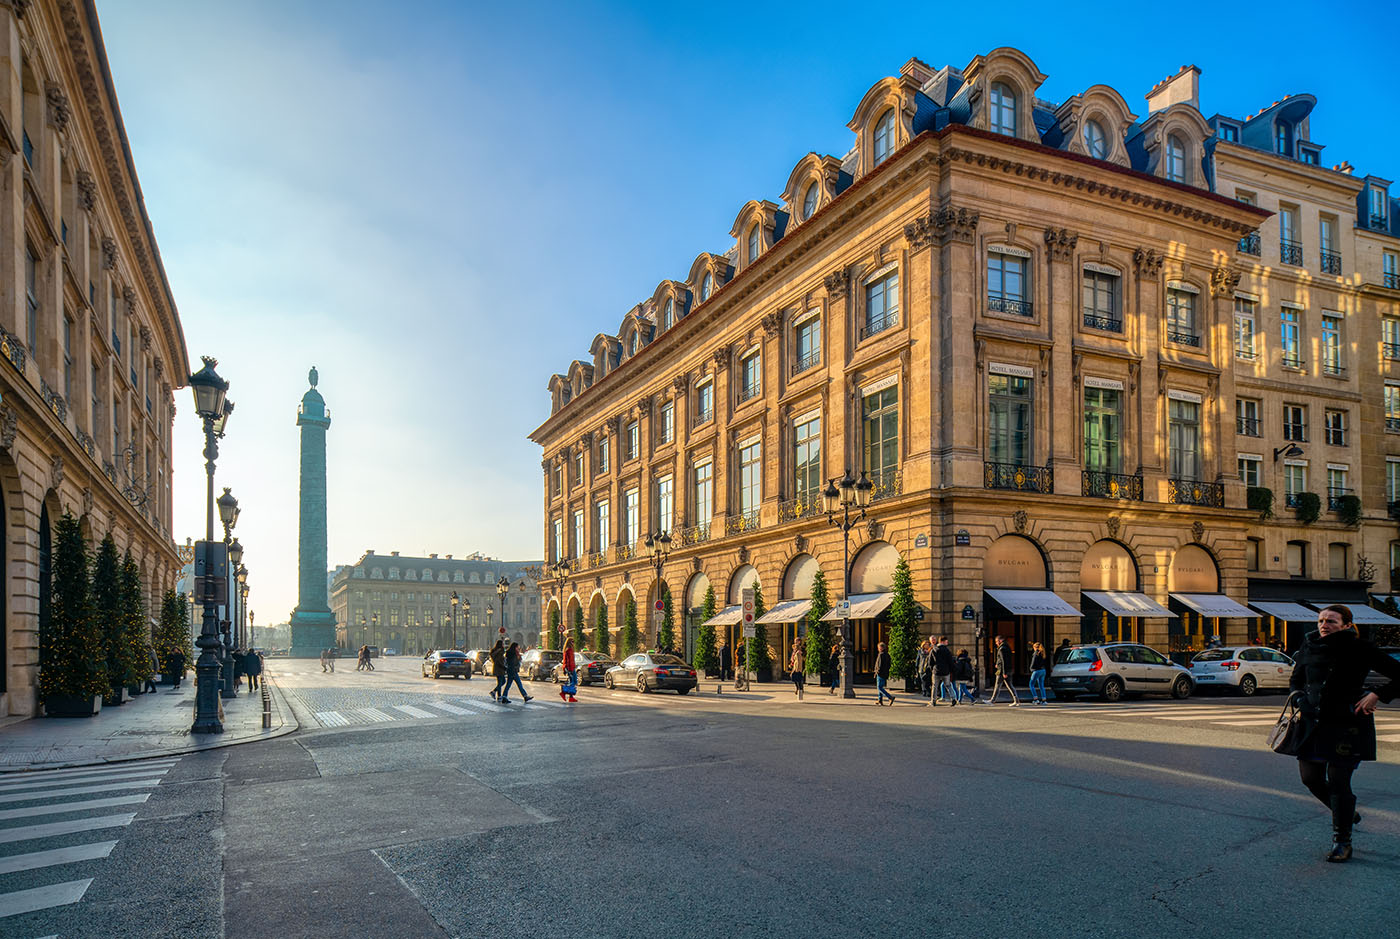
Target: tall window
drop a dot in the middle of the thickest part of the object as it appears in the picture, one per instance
(1009, 420)
(807, 460)
(704, 491)
(1295, 423)
(753, 244)
(1095, 141)
(807, 343)
(1379, 198)
(558, 546)
(668, 315)
(1176, 159)
(1181, 317)
(668, 422)
(603, 447)
(577, 546)
(1392, 408)
(633, 440)
(707, 286)
(1246, 317)
(31, 296)
(1002, 110)
(1249, 470)
(1390, 269)
(602, 530)
(1288, 338)
(1290, 243)
(1103, 430)
(1327, 236)
(578, 466)
(881, 304)
(704, 402)
(1296, 558)
(749, 376)
(750, 477)
(1101, 309)
(1336, 485)
(665, 503)
(67, 359)
(1283, 138)
(1247, 417)
(1184, 438)
(1331, 345)
(96, 410)
(881, 423)
(883, 142)
(1007, 283)
(809, 202)
(1392, 480)
(632, 518)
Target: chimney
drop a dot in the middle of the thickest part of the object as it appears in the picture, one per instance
(369, 552)
(1344, 167)
(1185, 85)
(449, 557)
(433, 556)
(393, 554)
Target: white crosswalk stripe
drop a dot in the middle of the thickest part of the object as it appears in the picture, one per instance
(1217, 715)
(90, 777)
(143, 767)
(80, 790)
(374, 714)
(37, 859)
(50, 829)
(62, 807)
(451, 708)
(412, 711)
(331, 719)
(41, 898)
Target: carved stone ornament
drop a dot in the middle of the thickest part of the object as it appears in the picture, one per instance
(695, 565)
(1147, 262)
(1198, 530)
(87, 187)
(772, 322)
(586, 440)
(681, 382)
(874, 529)
(837, 281)
(800, 542)
(612, 424)
(109, 255)
(145, 338)
(19, 6)
(545, 464)
(1223, 282)
(9, 426)
(160, 368)
(1061, 242)
(598, 582)
(920, 232)
(720, 357)
(952, 224)
(743, 554)
(1019, 520)
(87, 501)
(56, 472)
(1112, 523)
(129, 297)
(59, 109)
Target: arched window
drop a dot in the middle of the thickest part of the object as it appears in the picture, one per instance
(753, 244)
(706, 286)
(809, 202)
(883, 143)
(632, 344)
(1095, 141)
(1002, 118)
(669, 316)
(1176, 159)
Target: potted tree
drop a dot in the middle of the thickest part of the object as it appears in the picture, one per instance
(819, 633)
(666, 635)
(173, 635)
(629, 641)
(135, 631)
(72, 669)
(600, 629)
(706, 654)
(107, 611)
(904, 627)
(760, 661)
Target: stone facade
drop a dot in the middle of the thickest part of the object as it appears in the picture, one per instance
(90, 337)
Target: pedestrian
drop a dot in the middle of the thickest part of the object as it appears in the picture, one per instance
(882, 675)
(152, 670)
(962, 675)
(833, 666)
(798, 666)
(252, 665)
(360, 659)
(175, 667)
(570, 686)
(498, 667)
(1001, 668)
(1339, 731)
(323, 661)
(923, 667)
(943, 671)
(1062, 653)
(369, 658)
(238, 668)
(741, 664)
(330, 658)
(512, 658)
(726, 662)
(1038, 669)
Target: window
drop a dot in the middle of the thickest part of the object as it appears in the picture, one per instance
(1181, 317)
(1290, 247)
(1176, 159)
(1392, 480)
(1390, 338)
(578, 466)
(1247, 417)
(749, 376)
(1250, 470)
(1336, 487)
(665, 503)
(881, 425)
(807, 460)
(754, 241)
(1332, 345)
(1251, 554)
(881, 304)
(631, 514)
(67, 359)
(1095, 141)
(809, 201)
(633, 440)
(750, 477)
(556, 478)
(1002, 112)
(1390, 269)
(131, 351)
(1295, 423)
(96, 412)
(1246, 313)
(1288, 338)
(632, 344)
(1184, 438)
(558, 546)
(1392, 408)
(1009, 420)
(602, 526)
(1103, 430)
(1378, 200)
(577, 546)
(807, 343)
(31, 295)
(704, 490)
(1101, 309)
(707, 285)
(603, 453)
(668, 316)
(1327, 238)
(1296, 558)
(667, 431)
(1283, 138)
(1007, 283)
(883, 143)
(1337, 560)
(1295, 481)
(704, 402)
(1229, 132)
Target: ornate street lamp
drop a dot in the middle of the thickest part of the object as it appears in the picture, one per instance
(374, 629)
(455, 600)
(211, 404)
(432, 630)
(843, 496)
(658, 548)
(502, 591)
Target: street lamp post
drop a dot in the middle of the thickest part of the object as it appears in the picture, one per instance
(241, 631)
(841, 497)
(658, 547)
(455, 600)
(374, 629)
(228, 513)
(502, 591)
(364, 630)
(212, 405)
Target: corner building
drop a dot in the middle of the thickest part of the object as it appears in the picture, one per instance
(1020, 320)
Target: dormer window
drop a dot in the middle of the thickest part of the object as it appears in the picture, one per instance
(1379, 216)
(1095, 140)
(1176, 159)
(754, 241)
(1283, 138)
(632, 345)
(706, 286)
(1230, 133)
(809, 202)
(1002, 119)
(883, 143)
(669, 315)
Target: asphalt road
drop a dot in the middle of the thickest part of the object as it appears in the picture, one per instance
(419, 809)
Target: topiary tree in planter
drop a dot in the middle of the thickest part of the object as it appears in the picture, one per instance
(600, 630)
(173, 634)
(552, 638)
(760, 662)
(72, 659)
(706, 655)
(577, 632)
(819, 635)
(111, 625)
(666, 635)
(1260, 499)
(1349, 510)
(136, 632)
(1307, 506)
(904, 628)
(630, 640)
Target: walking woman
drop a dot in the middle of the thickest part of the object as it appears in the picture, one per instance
(1038, 663)
(498, 667)
(571, 671)
(797, 665)
(1339, 731)
(513, 674)
(882, 675)
(833, 666)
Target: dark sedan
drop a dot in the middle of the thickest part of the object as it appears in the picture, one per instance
(446, 662)
(591, 668)
(538, 664)
(647, 671)
(481, 661)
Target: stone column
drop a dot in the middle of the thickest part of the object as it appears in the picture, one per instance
(313, 623)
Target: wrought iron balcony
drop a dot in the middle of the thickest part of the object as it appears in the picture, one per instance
(1184, 339)
(1247, 426)
(1335, 437)
(597, 559)
(624, 552)
(1110, 324)
(56, 402)
(1112, 485)
(807, 505)
(1249, 244)
(85, 441)
(695, 534)
(888, 484)
(1334, 498)
(12, 348)
(748, 393)
(1380, 223)
(1290, 252)
(1297, 433)
(1392, 425)
(1391, 279)
(702, 417)
(1194, 492)
(810, 360)
(887, 320)
(1018, 477)
(1010, 305)
(1390, 350)
(1246, 353)
(1292, 360)
(744, 521)
(1334, 368)
(1331, 262)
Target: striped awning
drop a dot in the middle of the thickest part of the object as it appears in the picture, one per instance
(1288, 612)
(726, 617)
(789, 611)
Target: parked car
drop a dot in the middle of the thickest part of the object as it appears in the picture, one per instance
(1376, 679)
(446, 662)
(591, 668)
(538, 664)
(648, 671)
(391, 651)
(1245, 669)
(1111, 670)
(481, 661)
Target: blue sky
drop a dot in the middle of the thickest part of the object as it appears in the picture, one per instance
(440, 204)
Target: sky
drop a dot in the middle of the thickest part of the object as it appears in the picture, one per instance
(440, 204)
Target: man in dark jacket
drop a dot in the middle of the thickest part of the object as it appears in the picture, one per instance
(498, 668)
(726, 663)
(943, 671)
(1001, 667)
(252, 665)
(882, 675)
(175, 665)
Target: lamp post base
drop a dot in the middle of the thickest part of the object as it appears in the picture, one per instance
(848, 664)
(226, 687)
(206, 709)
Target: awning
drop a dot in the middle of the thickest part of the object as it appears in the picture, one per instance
(1288, 612)
(863, 606)
(726, 617)
(1361, 614)
(1212, 605)
(1123, 603)
(789, 611)
(1033, 602)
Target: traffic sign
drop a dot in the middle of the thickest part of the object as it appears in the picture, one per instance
(657, 617)
(748, 602)
(750, 630)
(659, 606)
(843, 609)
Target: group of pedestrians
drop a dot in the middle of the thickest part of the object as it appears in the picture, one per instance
(247, 664)
(505, 665)
(328, 660)
(363, 662)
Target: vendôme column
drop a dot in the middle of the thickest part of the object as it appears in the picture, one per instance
(313, 623)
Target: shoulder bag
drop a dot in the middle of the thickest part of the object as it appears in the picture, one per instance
(1286, 737)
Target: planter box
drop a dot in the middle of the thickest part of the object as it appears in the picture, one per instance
(72, 705)
(763, 675)
(133, 690)
(115, 698)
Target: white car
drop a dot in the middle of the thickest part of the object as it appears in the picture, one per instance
(1245, 669)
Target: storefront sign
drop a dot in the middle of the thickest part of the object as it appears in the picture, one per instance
(1107, 565)
(1013, 561)
(921, 541)
(1193, 571)
(962, 538)
(968, 612)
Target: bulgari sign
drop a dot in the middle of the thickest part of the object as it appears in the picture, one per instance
(1107, 566)
(1013, 561)
(1193, 571)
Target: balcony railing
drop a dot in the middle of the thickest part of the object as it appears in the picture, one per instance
(1290, 252)
(56, 402)
(1104, 485)
(1391, 279)
(1297, 433)
(1390, 350)
(1292, 360)
(1247, 426)
(1249, 244)
(887, 320)
(702, 417)
(807, 505)
(748, 393)
(1333, 368)
(887, 483)
(597, 559)
(1018, 477)
(1380, 222)
(1185, 339)
(1193, 492)
(1392, 425)
(1331, 262)
(1108, 323)
(1246, 352)
(1009, 305)
(624, 552)
(1334, 498)
(744, 521)
(807, 361)
(12, 348)
(695, 534)
(1335, 437)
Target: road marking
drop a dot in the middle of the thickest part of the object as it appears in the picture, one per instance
(145, 766)
(52, 829)
(451, 708)
(81, 790)
(482, 704)
(412, 711)
(375, 715)
(331, 719)
(34, 860)
(531, 706)
(61, 807)
(1259, 723)
(42, 898)
(75, 780)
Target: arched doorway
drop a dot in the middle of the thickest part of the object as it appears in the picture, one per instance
(1112, 604)
(1020, 606)
(787, 619)
(1193, 587)
(694, 605)
(872, 586)
(742, 579)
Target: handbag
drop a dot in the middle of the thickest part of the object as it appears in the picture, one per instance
(1286, 737)
(569, 688)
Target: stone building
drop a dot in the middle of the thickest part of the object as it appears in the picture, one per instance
(1024, 321)
(90, 337)
(412, 598)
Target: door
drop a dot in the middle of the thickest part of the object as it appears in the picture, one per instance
(1155, 672)
(1121, 663)
(1277, 666)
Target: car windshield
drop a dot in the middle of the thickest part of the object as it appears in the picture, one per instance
(1081, 655)
(1214, 655)
(668, 660)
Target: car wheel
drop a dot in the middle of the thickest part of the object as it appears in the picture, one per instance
(608, 682)
(1181, 688)
(1248, 686)
(1112, 690)
(555, 678)
(682, 691)
(642, 685)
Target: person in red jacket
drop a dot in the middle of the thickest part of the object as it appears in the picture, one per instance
(571, 670)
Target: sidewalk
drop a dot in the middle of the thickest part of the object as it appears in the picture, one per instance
(782, 690)
(149, 725)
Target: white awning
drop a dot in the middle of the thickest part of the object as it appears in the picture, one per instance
(1361, 614)
(1123, 603)
(863, 606)
(1288, 612)
(1033, 602)
(726, 617)
(789, 611)
(1213, 605)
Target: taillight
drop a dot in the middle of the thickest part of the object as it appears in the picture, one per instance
(660, 671)
(1230, 665)
(1097, 666)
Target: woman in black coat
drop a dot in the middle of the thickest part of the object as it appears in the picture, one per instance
(1339, 731)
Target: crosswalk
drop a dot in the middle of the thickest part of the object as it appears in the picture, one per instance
(1220, 715)
(28, 802)
(431, 708)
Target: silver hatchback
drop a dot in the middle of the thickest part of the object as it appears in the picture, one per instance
(1114, 669)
